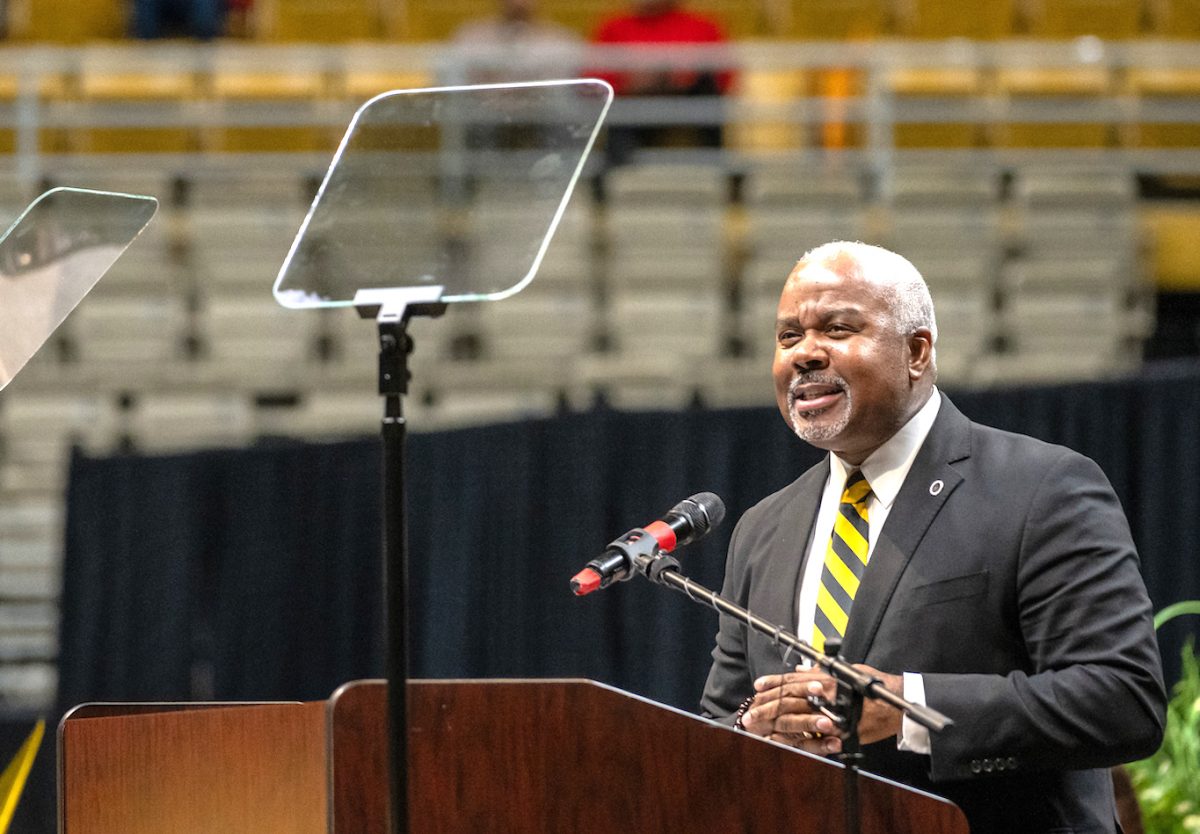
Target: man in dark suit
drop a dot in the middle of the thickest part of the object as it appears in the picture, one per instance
(985, 574)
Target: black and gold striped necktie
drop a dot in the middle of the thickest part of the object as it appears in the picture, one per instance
(845, 562)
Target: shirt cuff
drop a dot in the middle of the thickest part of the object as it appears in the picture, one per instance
(913, 737)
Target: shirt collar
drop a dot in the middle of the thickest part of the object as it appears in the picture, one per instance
(887, 467)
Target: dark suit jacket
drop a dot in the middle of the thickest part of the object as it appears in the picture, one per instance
(1006, 575)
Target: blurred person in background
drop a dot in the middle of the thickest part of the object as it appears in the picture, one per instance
(662, 23)
(512, 46)
(201, 19)
(515, 44)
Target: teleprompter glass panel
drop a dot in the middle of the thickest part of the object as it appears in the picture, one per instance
(52, 256)
(417, 169)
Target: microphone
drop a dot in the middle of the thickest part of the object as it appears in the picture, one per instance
(689, 520)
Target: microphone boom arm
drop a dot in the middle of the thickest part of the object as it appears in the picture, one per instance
(664, 570)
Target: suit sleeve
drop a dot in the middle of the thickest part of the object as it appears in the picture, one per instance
(1092, 695)
(729, 681)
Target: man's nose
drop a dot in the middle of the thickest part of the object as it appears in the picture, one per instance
(809, 353)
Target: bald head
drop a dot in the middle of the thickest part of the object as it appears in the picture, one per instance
(854, 338)
(910, 302)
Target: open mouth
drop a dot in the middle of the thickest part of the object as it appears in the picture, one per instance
(812, 397)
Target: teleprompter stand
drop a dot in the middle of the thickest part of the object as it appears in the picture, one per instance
(392, 309)
(853, 686)
(434, 196)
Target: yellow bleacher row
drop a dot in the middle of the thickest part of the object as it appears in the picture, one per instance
(182, 98)
(74, 21)
(652, 271)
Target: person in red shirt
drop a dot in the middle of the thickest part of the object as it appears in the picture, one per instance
(659, 23)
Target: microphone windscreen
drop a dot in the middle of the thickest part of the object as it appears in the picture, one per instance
(711, 511)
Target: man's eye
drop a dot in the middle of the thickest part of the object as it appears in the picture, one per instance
(787, 336)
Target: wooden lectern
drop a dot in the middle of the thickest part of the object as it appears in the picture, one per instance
(495, 755)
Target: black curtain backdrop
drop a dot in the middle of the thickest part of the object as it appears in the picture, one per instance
(255, 574)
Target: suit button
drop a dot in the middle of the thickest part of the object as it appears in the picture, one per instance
(975, 766)
(1012, 763)
(999, 764)
(987, 765)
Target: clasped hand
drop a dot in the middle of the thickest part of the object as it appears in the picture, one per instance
(781, 710)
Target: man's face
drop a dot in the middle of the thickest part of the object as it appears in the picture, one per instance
(845, 379)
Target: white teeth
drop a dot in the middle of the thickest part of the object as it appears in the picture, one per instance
(812, 395)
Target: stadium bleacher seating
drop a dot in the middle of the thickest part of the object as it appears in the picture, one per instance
(70, 22)
(339, 21)
(927, 19)
(319, 21)
(1173, 18)
(1109, 19)
(1004, 151)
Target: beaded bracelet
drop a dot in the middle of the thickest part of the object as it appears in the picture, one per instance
(741, 713)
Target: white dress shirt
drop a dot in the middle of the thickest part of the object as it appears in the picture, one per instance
(885, 470)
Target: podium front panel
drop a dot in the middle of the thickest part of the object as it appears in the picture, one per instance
(576, 756)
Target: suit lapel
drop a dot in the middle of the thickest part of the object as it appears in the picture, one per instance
(919, 501)
(782, 574)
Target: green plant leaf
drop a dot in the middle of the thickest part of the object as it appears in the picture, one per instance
(1191, 606)
(1168, 783)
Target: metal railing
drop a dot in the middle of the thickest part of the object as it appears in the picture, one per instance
(46, 89)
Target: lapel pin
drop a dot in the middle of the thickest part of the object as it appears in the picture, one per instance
(936, 487)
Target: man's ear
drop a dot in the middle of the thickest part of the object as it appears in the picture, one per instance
(920, 352)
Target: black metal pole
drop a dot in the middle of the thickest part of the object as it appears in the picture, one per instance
(394, 347)
(847, 711)
(850, 794)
